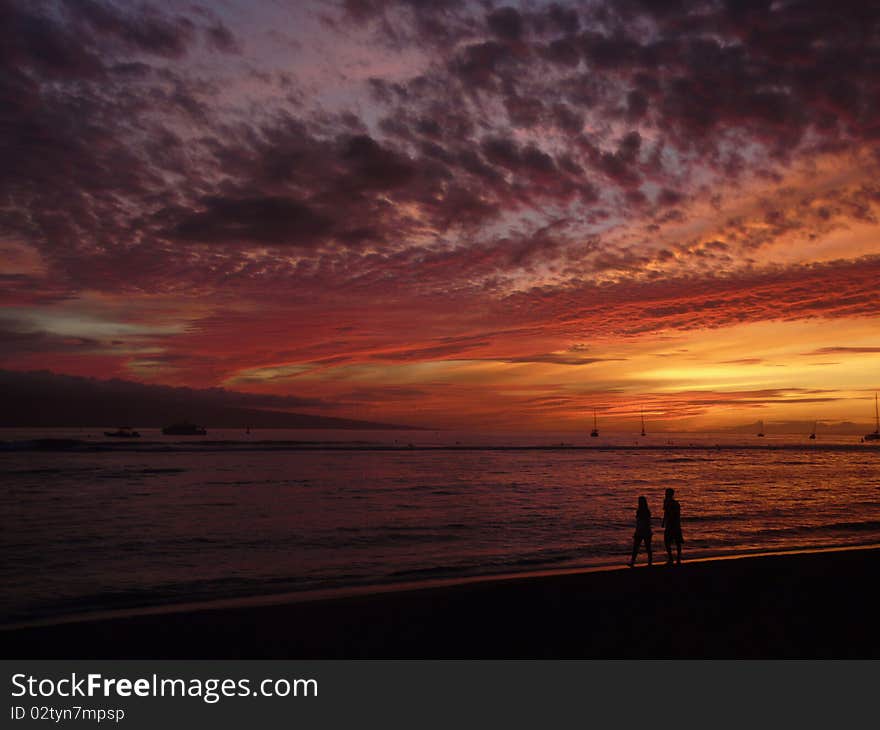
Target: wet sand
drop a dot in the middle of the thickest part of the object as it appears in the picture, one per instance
(806, 605)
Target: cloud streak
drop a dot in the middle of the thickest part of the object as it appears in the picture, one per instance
(433, 183)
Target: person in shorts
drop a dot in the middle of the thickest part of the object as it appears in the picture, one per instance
(671, 524)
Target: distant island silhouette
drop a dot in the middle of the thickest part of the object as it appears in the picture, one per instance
(44, 399)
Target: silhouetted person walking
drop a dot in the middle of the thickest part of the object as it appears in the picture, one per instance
(672, 526)
(643, 532)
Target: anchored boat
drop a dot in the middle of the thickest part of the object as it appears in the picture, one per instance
(875, 436)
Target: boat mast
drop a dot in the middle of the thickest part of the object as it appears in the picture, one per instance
(643, 421)
(876, 416)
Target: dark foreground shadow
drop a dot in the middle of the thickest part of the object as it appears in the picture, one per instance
(804, 606)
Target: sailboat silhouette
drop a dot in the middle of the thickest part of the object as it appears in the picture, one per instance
(761, 429)
(813, 432)
(595, 432)
(876, 435)
(643, 422)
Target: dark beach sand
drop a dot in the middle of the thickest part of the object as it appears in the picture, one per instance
(807, 605)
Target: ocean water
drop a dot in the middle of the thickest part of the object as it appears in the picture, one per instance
(98, 524)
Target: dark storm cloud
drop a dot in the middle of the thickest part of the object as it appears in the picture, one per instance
(482, 65)
(260, 220)
(120, 167)
(372, 166)
(318, 189)
(82, 160)
(506, 23)
(452, 181)
(703, 73)
(404, 22)
(220, 38)
(146, 30)
(619, 166)
(669, 197)
(88, 126)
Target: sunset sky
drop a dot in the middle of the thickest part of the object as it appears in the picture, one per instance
(449, 213)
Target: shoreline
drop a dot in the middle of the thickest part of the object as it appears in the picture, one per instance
(792, 604)
(398, 586)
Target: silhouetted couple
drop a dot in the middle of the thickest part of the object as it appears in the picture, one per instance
(671, 524)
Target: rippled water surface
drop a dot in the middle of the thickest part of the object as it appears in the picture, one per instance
(101, 525)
